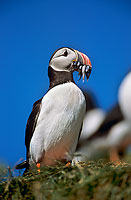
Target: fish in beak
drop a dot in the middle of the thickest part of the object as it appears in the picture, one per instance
(82, 64)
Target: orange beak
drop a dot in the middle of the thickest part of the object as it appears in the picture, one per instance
(82, 64)
(83, 58)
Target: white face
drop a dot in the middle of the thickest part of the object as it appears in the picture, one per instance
(62, 59)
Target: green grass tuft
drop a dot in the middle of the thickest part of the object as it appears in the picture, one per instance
(91, 180)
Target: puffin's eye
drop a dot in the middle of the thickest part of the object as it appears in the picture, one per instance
(65, 53)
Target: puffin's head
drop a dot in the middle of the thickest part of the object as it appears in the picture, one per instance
(70, 60)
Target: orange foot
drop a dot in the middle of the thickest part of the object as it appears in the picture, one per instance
(38, 166)
(68, 164)
(114, 157)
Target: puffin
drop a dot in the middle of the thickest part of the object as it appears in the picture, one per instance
(55, 123)
(103, 140)
(119, 138)
(113, 136)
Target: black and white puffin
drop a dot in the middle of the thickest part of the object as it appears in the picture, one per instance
(119, 138)
(55, 123)
(113, 136)
(105, 138)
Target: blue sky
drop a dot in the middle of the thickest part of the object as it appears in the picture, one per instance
(31, 30)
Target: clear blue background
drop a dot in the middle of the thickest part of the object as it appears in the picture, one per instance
(30, 31)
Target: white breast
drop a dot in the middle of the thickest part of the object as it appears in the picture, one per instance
(125, 96)
(58, 124)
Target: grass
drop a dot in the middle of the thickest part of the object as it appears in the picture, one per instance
(92, 180)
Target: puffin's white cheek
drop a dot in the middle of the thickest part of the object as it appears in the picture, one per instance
(60, 63)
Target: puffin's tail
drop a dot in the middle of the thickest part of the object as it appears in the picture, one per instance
(22, 165)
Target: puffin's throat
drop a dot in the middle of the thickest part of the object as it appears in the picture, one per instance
(59, 77)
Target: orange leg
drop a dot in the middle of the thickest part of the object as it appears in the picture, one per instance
(38, 166)
(114, 157)
(68, 164)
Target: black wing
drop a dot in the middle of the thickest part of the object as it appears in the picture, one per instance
(31, 124)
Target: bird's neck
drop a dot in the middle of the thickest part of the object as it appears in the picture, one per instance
(59, 77)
